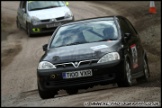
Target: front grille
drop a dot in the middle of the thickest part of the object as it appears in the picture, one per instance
(44, 29)
(81, 63)
(85, 63)
(48, 20)
(60, 18)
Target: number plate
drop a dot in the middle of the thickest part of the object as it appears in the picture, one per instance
(77, 74)
(53, 25)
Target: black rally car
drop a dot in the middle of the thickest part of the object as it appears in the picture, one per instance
(92, 51)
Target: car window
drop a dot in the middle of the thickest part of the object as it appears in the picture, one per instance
(131, 27)
(22, 4)
(127, 27)
(37, 5)
(124, 26)
(85, 33)
(90, 36)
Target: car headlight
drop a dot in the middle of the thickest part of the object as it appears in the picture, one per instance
(109, 57)
(67, 15)
(35, 20)
(46, 65)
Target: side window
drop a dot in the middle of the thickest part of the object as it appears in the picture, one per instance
(23, 5)
(124, 26)
(131, 27)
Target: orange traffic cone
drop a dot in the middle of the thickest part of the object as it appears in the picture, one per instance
(152, 9)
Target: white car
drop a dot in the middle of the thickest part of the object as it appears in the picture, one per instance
(42, 16)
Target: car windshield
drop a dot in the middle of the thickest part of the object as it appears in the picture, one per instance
(37, 5)
(85, 33)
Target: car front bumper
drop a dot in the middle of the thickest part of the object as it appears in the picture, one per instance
(104, 72)
(42, 26)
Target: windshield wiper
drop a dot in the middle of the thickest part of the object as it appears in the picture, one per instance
(75, 43)
(52, 6)
(107, 39)
(104, 40)
(43, 8)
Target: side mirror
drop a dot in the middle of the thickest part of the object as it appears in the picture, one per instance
(23, 9)
(127, 36)
(45, 47)
(67, 3)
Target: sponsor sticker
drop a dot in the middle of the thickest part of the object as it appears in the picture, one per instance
(134, 55)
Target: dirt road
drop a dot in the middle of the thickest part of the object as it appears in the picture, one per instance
(20, 56)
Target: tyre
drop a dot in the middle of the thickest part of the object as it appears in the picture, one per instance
(146, 72)
(46, 94)
(73, 18)
(72, 91)
(28, 30)
(124, 79)
(18, 23)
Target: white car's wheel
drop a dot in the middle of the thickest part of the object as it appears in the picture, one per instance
(18, 23)
(28, 30)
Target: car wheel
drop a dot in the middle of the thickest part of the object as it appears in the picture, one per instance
(73, 18)
(124, 78)
(28, 29)
(46, 94)
(18, 24)
(146, 72)
(72, 91)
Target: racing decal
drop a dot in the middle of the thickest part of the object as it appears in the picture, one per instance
(99, 47)
(134, 55)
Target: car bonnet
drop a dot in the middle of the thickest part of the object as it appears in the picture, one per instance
(81, 52)
(49, 13)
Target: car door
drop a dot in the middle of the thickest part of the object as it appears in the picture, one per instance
(131, 45)
(22, 13)
(19, 12)
(138, 42)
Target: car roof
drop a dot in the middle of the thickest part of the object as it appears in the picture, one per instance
(94, 19)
